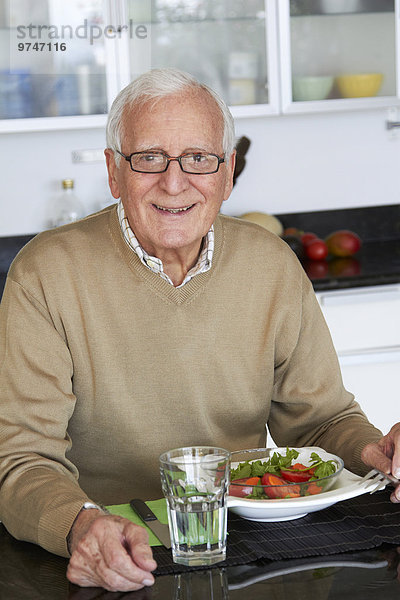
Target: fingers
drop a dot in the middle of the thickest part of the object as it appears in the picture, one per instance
(113, 554)
(394, 434)
(374, 456)
(385, 456)
(395, 496)
(139, 549)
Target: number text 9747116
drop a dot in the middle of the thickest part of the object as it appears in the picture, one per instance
(42, 47)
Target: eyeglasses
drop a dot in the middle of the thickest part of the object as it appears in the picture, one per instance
(195, 163)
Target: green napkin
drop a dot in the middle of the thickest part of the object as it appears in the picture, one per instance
(159, 508)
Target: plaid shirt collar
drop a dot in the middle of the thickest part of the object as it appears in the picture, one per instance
(155, 264)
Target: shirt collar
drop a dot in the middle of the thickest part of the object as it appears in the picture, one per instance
(153, 263)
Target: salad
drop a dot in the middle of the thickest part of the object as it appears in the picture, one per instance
(280, 476)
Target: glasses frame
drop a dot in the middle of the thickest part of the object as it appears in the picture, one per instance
(221, 159)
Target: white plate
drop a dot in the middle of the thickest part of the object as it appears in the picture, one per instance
(346, 486)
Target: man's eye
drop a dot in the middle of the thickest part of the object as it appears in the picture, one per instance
(149, 157)
(198, 158)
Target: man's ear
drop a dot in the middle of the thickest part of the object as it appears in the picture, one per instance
(112, 173)
(229, 175)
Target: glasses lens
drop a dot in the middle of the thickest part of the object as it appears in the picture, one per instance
(199, 163)
(148, 162)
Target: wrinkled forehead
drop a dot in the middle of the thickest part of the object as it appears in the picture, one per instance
(193, 115)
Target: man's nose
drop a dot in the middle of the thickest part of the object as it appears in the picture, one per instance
(174, 180)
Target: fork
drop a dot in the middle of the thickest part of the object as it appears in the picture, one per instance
(379, 480)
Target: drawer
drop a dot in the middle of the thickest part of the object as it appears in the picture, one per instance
(363, 318)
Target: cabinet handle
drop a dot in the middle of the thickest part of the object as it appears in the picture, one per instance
(392, 125)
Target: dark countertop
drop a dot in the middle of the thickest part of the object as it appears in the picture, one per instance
(377, 263)
(9, 248)
(30, 573)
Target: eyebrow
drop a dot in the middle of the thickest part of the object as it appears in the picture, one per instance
(185, 151)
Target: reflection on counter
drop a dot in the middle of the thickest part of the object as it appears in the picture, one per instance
(27, 571)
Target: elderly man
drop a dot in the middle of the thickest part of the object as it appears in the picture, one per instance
(153, 324)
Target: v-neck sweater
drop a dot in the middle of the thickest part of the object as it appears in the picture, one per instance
(104, 366)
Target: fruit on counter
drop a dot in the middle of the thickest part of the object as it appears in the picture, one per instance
(300, 241)
(316, 249)
(295, 244)
(307, 237)
(313, 252)
(343, 243)
(293, 231)
(265, 220)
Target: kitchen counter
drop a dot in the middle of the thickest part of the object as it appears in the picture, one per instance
(30, 573)
(377, 262)
(9, 248)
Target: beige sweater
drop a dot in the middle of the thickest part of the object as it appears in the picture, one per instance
(103, 366)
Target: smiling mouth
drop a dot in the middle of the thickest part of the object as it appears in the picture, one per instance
(173, 211)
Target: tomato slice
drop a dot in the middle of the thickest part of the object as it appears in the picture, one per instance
(253, 481)
(276, 488)
(299, 466)
(296, 476)
(242, 488)
(313, 488)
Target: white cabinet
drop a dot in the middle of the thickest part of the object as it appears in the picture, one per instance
(365, 328)
(338, 54)
(52, 64)
(62, 63)
(70, 59)
(229, 45)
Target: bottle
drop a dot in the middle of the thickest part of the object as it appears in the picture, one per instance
(69, 208)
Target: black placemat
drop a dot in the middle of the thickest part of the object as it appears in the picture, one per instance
(356, 524)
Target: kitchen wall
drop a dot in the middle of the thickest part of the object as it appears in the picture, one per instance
(295, 163)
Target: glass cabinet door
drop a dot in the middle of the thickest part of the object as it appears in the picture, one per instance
(339, 50)
(52, 58)
(223, 43)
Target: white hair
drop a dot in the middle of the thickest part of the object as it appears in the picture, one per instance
(156, 84)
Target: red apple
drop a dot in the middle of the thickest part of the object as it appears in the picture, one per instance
(343, 243)
(316, 249)
(307, 237)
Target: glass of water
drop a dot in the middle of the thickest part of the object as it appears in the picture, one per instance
(195, 482)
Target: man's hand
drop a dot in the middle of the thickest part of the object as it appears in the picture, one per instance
(385, 456)
(110, 552)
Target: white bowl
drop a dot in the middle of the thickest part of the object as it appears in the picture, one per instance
(345, 486)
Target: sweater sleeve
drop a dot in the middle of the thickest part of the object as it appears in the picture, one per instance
(310, 406)
(39, 492)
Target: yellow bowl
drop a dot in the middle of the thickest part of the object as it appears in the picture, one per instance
(360, 85)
